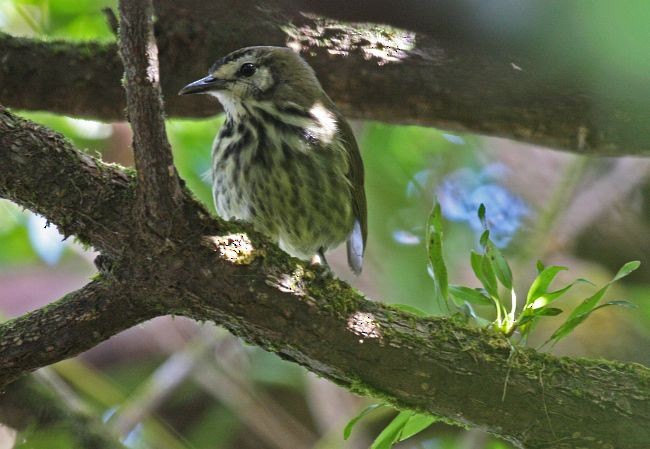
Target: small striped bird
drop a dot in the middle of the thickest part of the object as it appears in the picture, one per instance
(285, 160)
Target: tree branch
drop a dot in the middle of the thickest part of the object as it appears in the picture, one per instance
(226, 273)
(83, 196)
(159, 188)
(31, 70)
(73, 324)
(461, 71)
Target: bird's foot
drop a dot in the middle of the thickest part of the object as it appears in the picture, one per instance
(319, 260)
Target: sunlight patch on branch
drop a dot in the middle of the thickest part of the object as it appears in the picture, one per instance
(380, 43)
(235, 248)
(153, 73)
(364, 325)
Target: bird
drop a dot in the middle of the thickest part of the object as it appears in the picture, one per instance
(285, 159)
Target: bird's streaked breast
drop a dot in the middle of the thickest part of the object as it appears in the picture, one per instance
(283, 171)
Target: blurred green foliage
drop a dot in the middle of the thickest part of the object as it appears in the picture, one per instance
(66, 19)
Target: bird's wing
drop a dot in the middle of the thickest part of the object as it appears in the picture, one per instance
(356, 243)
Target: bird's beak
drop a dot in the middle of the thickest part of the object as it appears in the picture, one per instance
(203, 85)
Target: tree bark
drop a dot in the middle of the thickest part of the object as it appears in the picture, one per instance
(159, 189)
(208, 269)
(212, 270)
(455, 67)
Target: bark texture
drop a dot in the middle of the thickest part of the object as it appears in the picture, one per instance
(159, 190)
(454, 66)
(207, 269)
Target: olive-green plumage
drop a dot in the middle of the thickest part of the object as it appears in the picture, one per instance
(285, 160)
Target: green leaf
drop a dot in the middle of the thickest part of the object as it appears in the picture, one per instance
(525, 319)
(542, 281)
(410, 309)
(549, 297)
(476, 262)
(587, 306)
(500, 265)
(552, 296)
(416, 424)
(481, 216)
(548, 311)
(347, 431)
(489, 277)
(391, 433)
(403, 426)
(471, 295)
(567, 327)
(626, 269)
(434, 248)
(485, 238)
(469, 311)
(484, 272)
(534, 314)
(540, 266)
(620, 303)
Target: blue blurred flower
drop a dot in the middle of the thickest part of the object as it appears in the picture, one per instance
(405, 237)
(134, 439)
(418, 184)
(404, 231)
(45, 239)
(463, 191)
(453, 138)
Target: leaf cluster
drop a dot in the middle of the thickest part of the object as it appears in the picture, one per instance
(497, 292)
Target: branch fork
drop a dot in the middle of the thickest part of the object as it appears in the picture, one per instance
(432, 365)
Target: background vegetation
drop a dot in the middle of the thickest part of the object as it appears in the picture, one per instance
(173, 383)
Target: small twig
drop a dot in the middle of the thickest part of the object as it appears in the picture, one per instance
(160, 385)
(45, 400)
(513, 352)
(265, 417)
(67, 396)
(159, 191)
(111, 20)
(548, 417)
(599, 198)
(274, 425)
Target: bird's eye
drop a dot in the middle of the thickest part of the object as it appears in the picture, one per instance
(247, 69)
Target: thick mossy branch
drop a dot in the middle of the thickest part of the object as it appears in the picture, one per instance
(209, 270)
(456, 72)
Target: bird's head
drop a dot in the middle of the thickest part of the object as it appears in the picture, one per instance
(258, 74)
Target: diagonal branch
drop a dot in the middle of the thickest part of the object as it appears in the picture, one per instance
(71, 325)
(41, 171)
(159, 187)
(227, 274)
